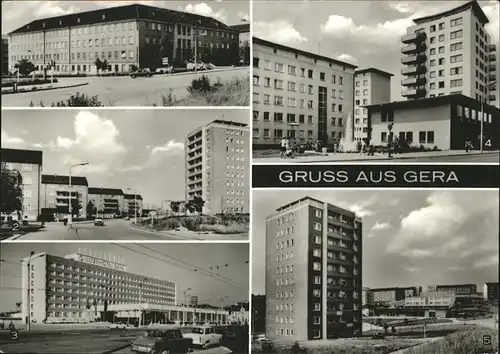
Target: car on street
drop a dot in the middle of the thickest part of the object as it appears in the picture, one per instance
(141, 73)
(118, 325)
(204, 336)
(98, 222)
(162, 341)
(127, 218)
(165, 70)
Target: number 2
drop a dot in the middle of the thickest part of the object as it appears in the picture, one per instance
(15, 227)
(488, 143)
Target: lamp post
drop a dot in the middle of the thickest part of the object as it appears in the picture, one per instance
(481, 137)
(222, 304)
(70, 217)
(28, 302)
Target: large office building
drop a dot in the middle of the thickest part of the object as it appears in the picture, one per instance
(372, 86)
(218, 166)
(443, 123)
(108, 202)
(133, 205)
(313, 271)
(450, 53)
(55, 195)
(300, 95)
(29, 165)
(490, 291)
(125, 37)
(5, 55)
(85, 288)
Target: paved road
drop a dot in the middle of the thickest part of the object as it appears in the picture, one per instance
(117, 230)
(121, 90)
(214, 350)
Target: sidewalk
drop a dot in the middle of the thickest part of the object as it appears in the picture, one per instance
(344, 157)
(193, 235)
(42, 87)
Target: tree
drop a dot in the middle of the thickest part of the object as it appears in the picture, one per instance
(25, 67)
(175, 206)
(189, 206)
(245, 53)
(76, 205)
(98, 64)
(198, 204)
(105, 65)
(90, 209)
(12, 192)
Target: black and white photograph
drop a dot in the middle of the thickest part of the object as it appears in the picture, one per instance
(122, 298)
(125, 174)
(125, 53)
(375, 81)
(375, 271)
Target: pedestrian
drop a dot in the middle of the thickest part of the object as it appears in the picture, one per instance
(468, 144)
(363, 147)
(370, 147)
(287, 147)
(390, 145)
(283, 147)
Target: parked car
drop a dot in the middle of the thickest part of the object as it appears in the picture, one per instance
(127, 218)
(98, 222)
(141, 73)
(118, 325)
(204, 336)
(165, 70)
(162, 341)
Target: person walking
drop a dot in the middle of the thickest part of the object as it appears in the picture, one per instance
(283, 147)
(371, 147)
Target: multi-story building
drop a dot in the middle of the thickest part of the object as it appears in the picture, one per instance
(300, 95)
(394, 294)
(449, 53)
(258, 314)
(490, 291)
(244, 41)
(193, 301)
(218, 166)
(494, 76)
(84, 288)
(313, 271)
(108, 202)
(133, 205)
(55, 195)
(239, 316)
(125, 37)
(29, 164)
(366, 296)
(443, 123)
(372, 86)
(458, 289)
(5, 55)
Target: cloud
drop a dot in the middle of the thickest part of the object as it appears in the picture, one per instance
(413, 269)
(243, 16)
(381, 226)
(51, 9)
(347, 58)
(11, 141)
(278, 31)
(487, 262)
(132, 168)
(205, 10)
(170, 147)
(360, 210)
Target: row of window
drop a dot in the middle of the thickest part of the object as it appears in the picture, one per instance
(286, 218)
(285, 319)
(292, 102)
(284, 269)
(284, 282)
(424, 137)
(280, 133)
(292, 70)
(358, 83)
(25, 167)
(453, 22)
(284, 256)
(285, 307)
(292, 86)
(286, 294)
(291, 118)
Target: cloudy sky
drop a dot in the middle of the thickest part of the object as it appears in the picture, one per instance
(18, 13)
(409, 237)
(138, 149)
(365, 33)
(151, 260)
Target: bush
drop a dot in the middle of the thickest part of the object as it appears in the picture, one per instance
(167, 224)
(191, 224)
(79, 100)
(28, 82)
(203, 85)
(231, 228)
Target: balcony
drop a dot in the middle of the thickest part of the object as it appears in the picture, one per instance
(492, 98)
(413, 81)
(492, 77)
(413, 93)
(414, 37)
(492, 57)
(414, 70)
(413, 59)
(413, 48)
(492, 48)
(492, 67)
(492, 86)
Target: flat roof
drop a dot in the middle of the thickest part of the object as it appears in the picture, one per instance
(121, 13)
(261, 41)
(373, 70)
(228, 122)
(476, 9)
(241, 28)
(56, 179)
(34, 157)
(132, 196)
(105, 191)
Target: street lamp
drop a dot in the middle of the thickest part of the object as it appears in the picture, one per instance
(135, 206)
(28, 324)
(481, 137)
(70, 217)
(222, 304)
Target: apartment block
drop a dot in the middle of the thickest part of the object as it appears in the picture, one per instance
(300, 95)
(5, 55)
(313, 271)
(56, 194)
(133, 205)
(449, 53)
(126, 36)
(458, 289)
(490, 291)
(218, 166)
(108, 202)
(29, 164)
(371, 86)
(387, 295)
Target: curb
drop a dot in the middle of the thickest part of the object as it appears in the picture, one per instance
(45, 89)
(116, 349)
(202, 71)
(166, 234)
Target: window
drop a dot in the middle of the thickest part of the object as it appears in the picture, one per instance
(317, 253)
(433, 28)
(310, 74)
(316, 320)
(432, 40)
(316, 306)
(383, 137)
(256, 98)
(456, 46)
(430, 137)
(292, 70)
(456, 34)
(432, 74)
(317, 280)
(318, 213)
(267, 82)
(317, 240)
(433, 51)
(456, 58)
(441, 73)
(441, 84)
(256, 80)
(292, 86)
(456, 22)
(441, 26)
(456, 71)
(456, 83)
(317, 266)
(441, 50)
(317, 293)
(441, 38)
(422, 137)
(433, 62)
(322, 76)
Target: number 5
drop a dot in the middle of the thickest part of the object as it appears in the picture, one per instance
(488, 143)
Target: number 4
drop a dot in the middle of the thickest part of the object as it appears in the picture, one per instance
(488, 143)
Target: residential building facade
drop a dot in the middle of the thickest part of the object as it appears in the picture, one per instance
(371, 86)
(218, 166)
(490, 291)
(258, 314)
(55, 195)
(244, 42)
(126, 37)
(29, 164)
(5, 55)
(313, 271)
(133, 205)
(387, 295)
(300, 95)
(458, 289)
(443, 123)
(449, 53)
(108, 202)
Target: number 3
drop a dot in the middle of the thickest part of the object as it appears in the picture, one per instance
(15, 335)
(488, 143)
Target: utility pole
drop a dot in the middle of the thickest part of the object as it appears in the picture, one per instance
(28, 324)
